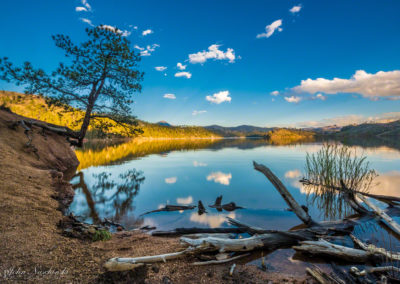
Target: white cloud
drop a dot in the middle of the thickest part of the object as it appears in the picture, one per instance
(270, 29)
(219, 97)
(295, 9)
(220, 177)
(184, 200)
(146, 51)
(171, 180)
(320, 97)
(86, 7)
(86, 4)
(181, 66)
(80, 9)
(196, 112)
(160, 68)
(188, 75)
(293, 99)
(274, 93)
(199, 164)
(147, 32)
(380, 84)
(214, 53)
(212, 220)
(87, 21)
(170, 96)
(115, 30)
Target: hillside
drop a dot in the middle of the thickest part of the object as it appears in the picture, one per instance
(34, 106)
(390, 129)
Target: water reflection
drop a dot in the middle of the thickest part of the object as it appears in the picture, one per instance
(108, 198)
(220, 177)
(183, 172)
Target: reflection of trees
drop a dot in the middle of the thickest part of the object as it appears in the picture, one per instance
(114, 197)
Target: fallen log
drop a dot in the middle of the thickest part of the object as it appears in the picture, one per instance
(375, 250)
(382, 269)
(391, 200)
(171, 208)
(324, 248)
(291, 202)
(194, 230)
(322, 277)
(199, 263)
(380, 213)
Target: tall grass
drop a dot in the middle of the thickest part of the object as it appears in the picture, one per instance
(336, 167)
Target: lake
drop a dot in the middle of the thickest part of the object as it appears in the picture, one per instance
(123, 181)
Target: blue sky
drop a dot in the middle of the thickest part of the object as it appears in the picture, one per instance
(236, 54)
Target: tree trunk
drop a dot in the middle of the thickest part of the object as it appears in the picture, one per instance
(85, 124)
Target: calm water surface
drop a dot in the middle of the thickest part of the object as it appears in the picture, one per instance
(121, 182)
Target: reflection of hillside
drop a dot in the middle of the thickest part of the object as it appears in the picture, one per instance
(136, 148)
(96, 155)
(371, 142)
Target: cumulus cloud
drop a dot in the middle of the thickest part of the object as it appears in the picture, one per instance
(160, 68)
(171, 180)
(146, 51)
(214, 53)
(351, 119)
(320, 97)
(184, 200)
(295, 9)
(181, 66)
(274, 93)
(170, 96)
(147, 32)
(199, 164)
(87, 21)
(220, 177)
(380, 84)
(219, 97)
(270, 29)
(188, 75)
(197, 112)
(115, 30)
(293, 99)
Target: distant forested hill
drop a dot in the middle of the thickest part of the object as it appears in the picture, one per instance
(390, 129)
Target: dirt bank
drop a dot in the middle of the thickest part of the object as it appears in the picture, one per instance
(33, 248)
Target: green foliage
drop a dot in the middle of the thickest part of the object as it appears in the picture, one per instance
(100, 79)
(101, 235)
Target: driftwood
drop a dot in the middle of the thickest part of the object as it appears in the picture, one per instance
(371, 270)
(322, 247)
(171, 208)
(201, 208)
(391, 200)
(322, 277)
(380, 213)
(194, 230)
(220, 261)
(231, 206)
(297, 209)
(305, 239)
